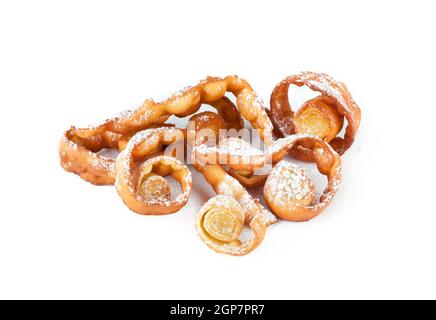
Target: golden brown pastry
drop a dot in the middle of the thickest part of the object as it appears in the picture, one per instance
(136, 180)
(77, 158)
(317, 116)
(153, 187)
(80, 156)
(140, 170)
(187, 102)
(289, 192)
(79, 148)
(220, 221)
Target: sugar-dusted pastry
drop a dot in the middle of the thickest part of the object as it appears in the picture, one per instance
(80, 156)
(319, 116)
(239, 154)
(206, 121)
(136, 180)
(289, 192)
(220, 221)
(322, 116)
(186, 102)
(153, 187)
(248, 178)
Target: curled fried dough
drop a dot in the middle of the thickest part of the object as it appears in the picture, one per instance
(289, 192)
(187, 102)
(153, 187)
(319, 117)
(325, 121)
(131, 173)
(219, 222)
(79, 147)
(80, 156)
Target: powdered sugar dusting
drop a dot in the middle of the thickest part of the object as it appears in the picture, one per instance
(326, 85)
(126, 169)
(251, 207)
(288, 183)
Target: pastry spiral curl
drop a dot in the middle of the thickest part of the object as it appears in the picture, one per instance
(322, 116)
(136, 181)
(289, 192)
(220, 221)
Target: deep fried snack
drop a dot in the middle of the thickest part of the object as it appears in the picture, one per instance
(154, 187)
(229, 113)
(220, 221)
(187, 102)
(140, 169)
(80, 155)
(320, 117)
(133, 176)
(79, 147)
(316, 116)
(289, 192)
(248, 178)
(205, 128)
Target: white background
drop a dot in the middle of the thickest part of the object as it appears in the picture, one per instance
(73, 63)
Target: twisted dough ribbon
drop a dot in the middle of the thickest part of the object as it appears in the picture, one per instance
(131, 175)
(80, 155)
(220, 221)
(187, 102)
(79, 148)
(335, 102)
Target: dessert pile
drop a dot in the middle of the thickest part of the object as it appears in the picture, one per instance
(213, 142)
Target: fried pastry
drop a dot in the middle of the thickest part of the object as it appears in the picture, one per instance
(289, 192)
(80, 156)
(317, 116)
(187, 102)
(320, 117)
(220, 221)
(136, 183)
(79, 147)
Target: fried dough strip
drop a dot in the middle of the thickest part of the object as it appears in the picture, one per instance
(286, 121)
